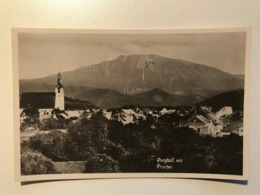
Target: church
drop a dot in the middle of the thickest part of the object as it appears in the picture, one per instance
(59, 94)
(44, 103)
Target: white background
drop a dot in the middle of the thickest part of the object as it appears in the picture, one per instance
(119, 14)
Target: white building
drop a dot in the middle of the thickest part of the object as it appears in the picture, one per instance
(166, 111)
(225, 111)
(205, 126)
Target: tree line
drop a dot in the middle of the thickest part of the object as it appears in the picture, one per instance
(109, 146)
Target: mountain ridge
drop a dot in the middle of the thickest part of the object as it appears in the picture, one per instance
(235, 99)
(136, 74)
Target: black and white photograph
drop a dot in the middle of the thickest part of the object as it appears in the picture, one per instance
(131, 103)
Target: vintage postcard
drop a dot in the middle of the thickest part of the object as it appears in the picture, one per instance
(131, 103)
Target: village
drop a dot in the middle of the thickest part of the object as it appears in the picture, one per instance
(201, 119)
(50, 124)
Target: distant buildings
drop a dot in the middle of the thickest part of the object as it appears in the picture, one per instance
(47, 104)
(219, 124)
(199, 118)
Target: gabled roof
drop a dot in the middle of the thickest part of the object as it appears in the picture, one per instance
(203, 119)
(213, 118)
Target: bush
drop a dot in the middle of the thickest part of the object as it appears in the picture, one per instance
(90, 134)
(33, 163)
(99, 163)
(51, 124)
(53, 145)
(31, 122)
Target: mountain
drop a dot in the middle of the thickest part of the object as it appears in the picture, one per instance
(162, 98)
(239, 76)
(235, 99)
(106, 98)
(133, 74)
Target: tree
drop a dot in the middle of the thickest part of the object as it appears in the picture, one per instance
(90, 137)
(52, 145)
(53, 124)
(90, 134)
(99, 163)
(31, 120)
(33, 163)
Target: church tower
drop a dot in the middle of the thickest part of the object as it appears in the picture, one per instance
(59, 94)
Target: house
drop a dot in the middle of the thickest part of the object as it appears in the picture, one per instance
(166, 111)
(238, 131)
(235, 127)
(126, 116)
(225, 111)
(204, 121)
(204, 126)
(198, 123)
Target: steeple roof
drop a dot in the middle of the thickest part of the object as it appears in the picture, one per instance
(59, 82)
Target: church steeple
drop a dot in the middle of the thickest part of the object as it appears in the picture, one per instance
(59, 93)
(59, 82)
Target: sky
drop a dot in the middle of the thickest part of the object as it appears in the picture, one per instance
(42, 54)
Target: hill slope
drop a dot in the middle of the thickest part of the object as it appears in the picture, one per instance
(46, 100)
(232, 98)
(106, 98)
